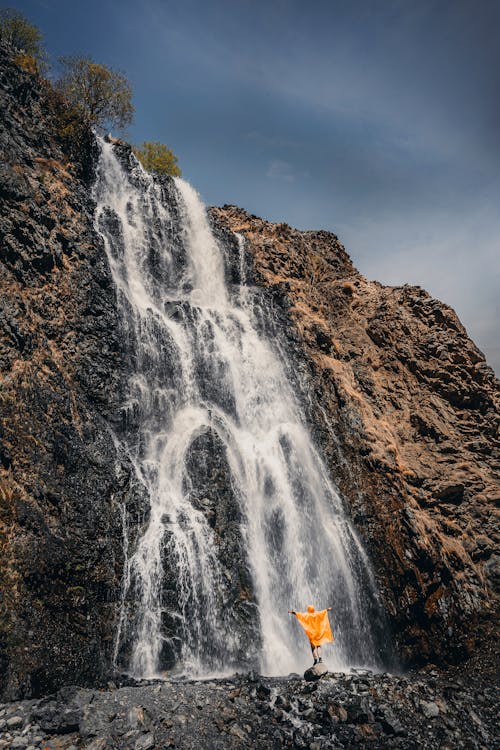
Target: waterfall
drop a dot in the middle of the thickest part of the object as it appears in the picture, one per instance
(244, 520)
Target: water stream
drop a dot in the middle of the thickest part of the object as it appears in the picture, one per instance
(244, 519)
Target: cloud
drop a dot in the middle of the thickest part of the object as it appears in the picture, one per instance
(280, 170)
(272, 141)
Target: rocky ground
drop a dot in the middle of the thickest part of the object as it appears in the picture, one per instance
(432, 709)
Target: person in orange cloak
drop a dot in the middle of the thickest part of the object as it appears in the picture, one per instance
(317, 628)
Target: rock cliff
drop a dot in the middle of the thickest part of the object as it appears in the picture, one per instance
(400, 400)
(406, 410)
(60, 388)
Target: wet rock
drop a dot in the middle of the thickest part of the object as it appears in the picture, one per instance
(302, 736)
(263, 691)
(57, 718)
(315, 672)
(136, 717)
(238, 732)
(390, 723)
(358, 711)
(282, 702)
(337, 712)
(98, 744)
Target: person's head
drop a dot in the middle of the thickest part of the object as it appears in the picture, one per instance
(310, 608)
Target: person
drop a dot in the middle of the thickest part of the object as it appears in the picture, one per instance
(317, 628)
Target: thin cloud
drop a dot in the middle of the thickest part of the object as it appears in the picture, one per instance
(280, 170)
(271, 141)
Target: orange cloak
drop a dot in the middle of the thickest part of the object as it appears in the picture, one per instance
(316, 626)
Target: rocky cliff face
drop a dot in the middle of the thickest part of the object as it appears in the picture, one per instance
(400, 400)
(60, 389)
(406, 410)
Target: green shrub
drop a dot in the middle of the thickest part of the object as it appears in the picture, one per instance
(15, 29)
(156, 157)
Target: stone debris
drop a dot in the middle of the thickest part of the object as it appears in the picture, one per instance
(360, 709)
(145, 742)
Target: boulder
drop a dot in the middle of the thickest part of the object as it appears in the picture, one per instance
(315, 672)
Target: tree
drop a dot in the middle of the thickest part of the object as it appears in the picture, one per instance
(156, 157)
(104, 95)
(15, 29)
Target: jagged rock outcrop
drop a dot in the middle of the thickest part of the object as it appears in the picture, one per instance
(61, 481)
(406, 410)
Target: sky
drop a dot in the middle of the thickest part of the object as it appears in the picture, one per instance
(376, 119)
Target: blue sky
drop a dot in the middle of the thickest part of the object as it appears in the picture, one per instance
(376, 119)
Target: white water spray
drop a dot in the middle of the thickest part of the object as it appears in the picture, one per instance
(202, 368)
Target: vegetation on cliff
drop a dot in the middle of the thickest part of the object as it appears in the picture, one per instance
(85, 94)
(17, 31)
(157, 158)
(104, 95)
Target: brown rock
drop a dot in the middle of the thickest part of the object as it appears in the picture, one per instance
(60, 383)
(406, 410)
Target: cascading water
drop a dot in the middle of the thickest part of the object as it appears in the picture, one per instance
(244, 521)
